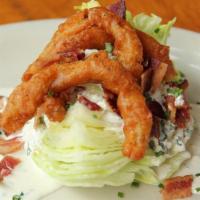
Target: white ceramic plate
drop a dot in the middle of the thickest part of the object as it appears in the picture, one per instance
(21, 43)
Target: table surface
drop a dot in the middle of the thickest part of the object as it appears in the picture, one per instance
(187, 12)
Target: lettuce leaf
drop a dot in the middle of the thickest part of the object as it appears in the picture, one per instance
(84, 151)
(87, 5)
(151, 25)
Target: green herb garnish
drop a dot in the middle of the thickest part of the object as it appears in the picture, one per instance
(198, 189)
(50, 93)
(198, 174)
(108, 47)
(198, 102)
(166, 114)
(1, 132)
(157, 30)
(161, 185)
(67, 106)
(159, 153)
(148, 97)
(120, 194)
(95, 116)
(174, 91)
(18, 196)
(41, 120)
(179, 78)
(135, 184)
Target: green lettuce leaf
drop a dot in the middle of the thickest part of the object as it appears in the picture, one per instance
(87, 5)
(151, 25)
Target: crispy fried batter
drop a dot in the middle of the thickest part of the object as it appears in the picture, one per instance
(177, 187)
(53, 108)
(24, 100)
(127, 46)
(92, 29)
(75, 33)
(131, 103)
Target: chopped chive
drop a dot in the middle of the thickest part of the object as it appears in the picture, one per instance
(159, 153)
(50, 93)
(148, 97)
(135, 184)
(108, 47)
(157, 30)
(152, 145)
(18, 197)
(95, 116)
(175, 91)
(198, 174)
(1, 132)
(41, 120)
(67, 106)
(120, 194)
(161, 185)
(198, 189)
(166, 114)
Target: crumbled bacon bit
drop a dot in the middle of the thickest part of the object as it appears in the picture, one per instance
(177, 187)
(7, 164)
(89, 104)
(70, 96)
(183, 116)
(170, 104)
(72, 55)
(184, 85)
(111, 100)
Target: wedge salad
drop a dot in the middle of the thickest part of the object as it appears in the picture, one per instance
(84, 149)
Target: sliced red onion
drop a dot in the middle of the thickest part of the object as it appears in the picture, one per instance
(119, 8)
(156, 109)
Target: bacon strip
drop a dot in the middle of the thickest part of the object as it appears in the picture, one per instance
(89, 104)
(152, 49)
(177, 187)
(7, 164)
(146, 79)
(10, 146)
(159, 72)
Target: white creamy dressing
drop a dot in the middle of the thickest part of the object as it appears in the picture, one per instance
(35, 184)
(196, 185)
(179, 101)
(27, 178)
